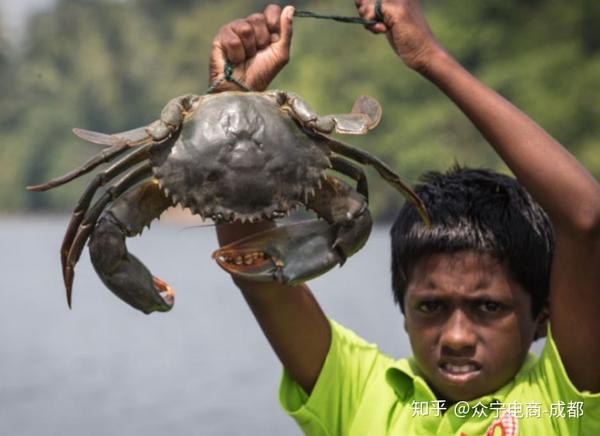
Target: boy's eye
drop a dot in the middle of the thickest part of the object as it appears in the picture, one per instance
(429, 306)
(489, 306)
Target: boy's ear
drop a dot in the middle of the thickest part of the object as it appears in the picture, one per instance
(542, 322)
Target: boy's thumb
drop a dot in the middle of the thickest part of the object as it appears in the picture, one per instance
(285, 27)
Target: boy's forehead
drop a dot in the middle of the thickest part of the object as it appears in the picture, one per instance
(466, 270)
(471, 261)
(459, 259)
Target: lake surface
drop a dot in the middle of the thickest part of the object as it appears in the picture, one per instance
(202, 369)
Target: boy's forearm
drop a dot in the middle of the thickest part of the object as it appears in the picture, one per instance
(550, 173)
(541, 164)
(295, 326)
(289, 316)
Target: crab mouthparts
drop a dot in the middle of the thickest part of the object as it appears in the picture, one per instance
(243, 260)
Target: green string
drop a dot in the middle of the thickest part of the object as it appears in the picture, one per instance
(351, 20)
(378, 13)
(228, 69)
(227, 76)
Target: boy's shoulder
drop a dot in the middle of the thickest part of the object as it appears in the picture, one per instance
(360, 390)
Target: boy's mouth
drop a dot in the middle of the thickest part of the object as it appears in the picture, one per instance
(459, 372)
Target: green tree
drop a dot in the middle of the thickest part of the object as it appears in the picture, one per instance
(109, 65)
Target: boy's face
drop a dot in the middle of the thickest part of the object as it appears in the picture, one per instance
(470, 325)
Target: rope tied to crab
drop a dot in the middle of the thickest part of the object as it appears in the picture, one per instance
(228, 69)
(342, 19)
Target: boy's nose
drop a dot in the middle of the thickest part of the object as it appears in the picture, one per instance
(458, 333)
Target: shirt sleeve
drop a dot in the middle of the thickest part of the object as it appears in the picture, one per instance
(582, 408)
(350, 364)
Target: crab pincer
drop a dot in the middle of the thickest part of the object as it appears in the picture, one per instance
(298, 252)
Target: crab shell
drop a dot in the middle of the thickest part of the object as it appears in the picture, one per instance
(229, 156)
(240, 157)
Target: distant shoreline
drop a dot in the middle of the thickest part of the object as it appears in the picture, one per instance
(175, 215)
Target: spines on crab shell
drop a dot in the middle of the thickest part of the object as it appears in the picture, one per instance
(308, 193)
(280, 208)
(246, 217)
(173, 198)
(273, 212)
(323, 176)
(195, 210)
(207, 211)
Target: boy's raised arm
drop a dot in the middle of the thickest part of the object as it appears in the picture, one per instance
(557, 181)
(290, 317)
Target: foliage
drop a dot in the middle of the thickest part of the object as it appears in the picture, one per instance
(110, 65)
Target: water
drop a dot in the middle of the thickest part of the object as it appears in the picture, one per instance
(202, 369)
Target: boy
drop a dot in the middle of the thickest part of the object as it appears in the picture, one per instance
(476, 288)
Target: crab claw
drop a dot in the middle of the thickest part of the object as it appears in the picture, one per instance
(294, 253)
(369, 107)
(124, 274)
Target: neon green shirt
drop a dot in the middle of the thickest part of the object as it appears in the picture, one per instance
(360, 391)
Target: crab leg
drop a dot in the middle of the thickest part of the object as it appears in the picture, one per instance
(296, 253)
(383, 169)
(118, 143)
(347, 212)
(85, 228)
(86, 198)
(365, 115)
(352, 171)
(171, 118)
(125, 275)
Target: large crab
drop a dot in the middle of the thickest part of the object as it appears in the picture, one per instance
(230, 156)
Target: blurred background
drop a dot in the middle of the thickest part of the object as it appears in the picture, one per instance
(109, 66)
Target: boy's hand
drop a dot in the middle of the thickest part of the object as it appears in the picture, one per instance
(258, 47)
(406, 30)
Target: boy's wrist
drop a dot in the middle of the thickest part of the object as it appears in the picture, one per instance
(437, 64)
(222, 85)
(434, 60)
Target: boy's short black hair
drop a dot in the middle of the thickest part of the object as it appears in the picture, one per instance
(481, 210)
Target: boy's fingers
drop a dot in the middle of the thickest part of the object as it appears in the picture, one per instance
(272, 16)
(382, 26)
(232, 46)
(367, 11)
(217, 54)
(285, 25)
(245, 32)
(261, 31)
(363, 12)
(378, 28)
